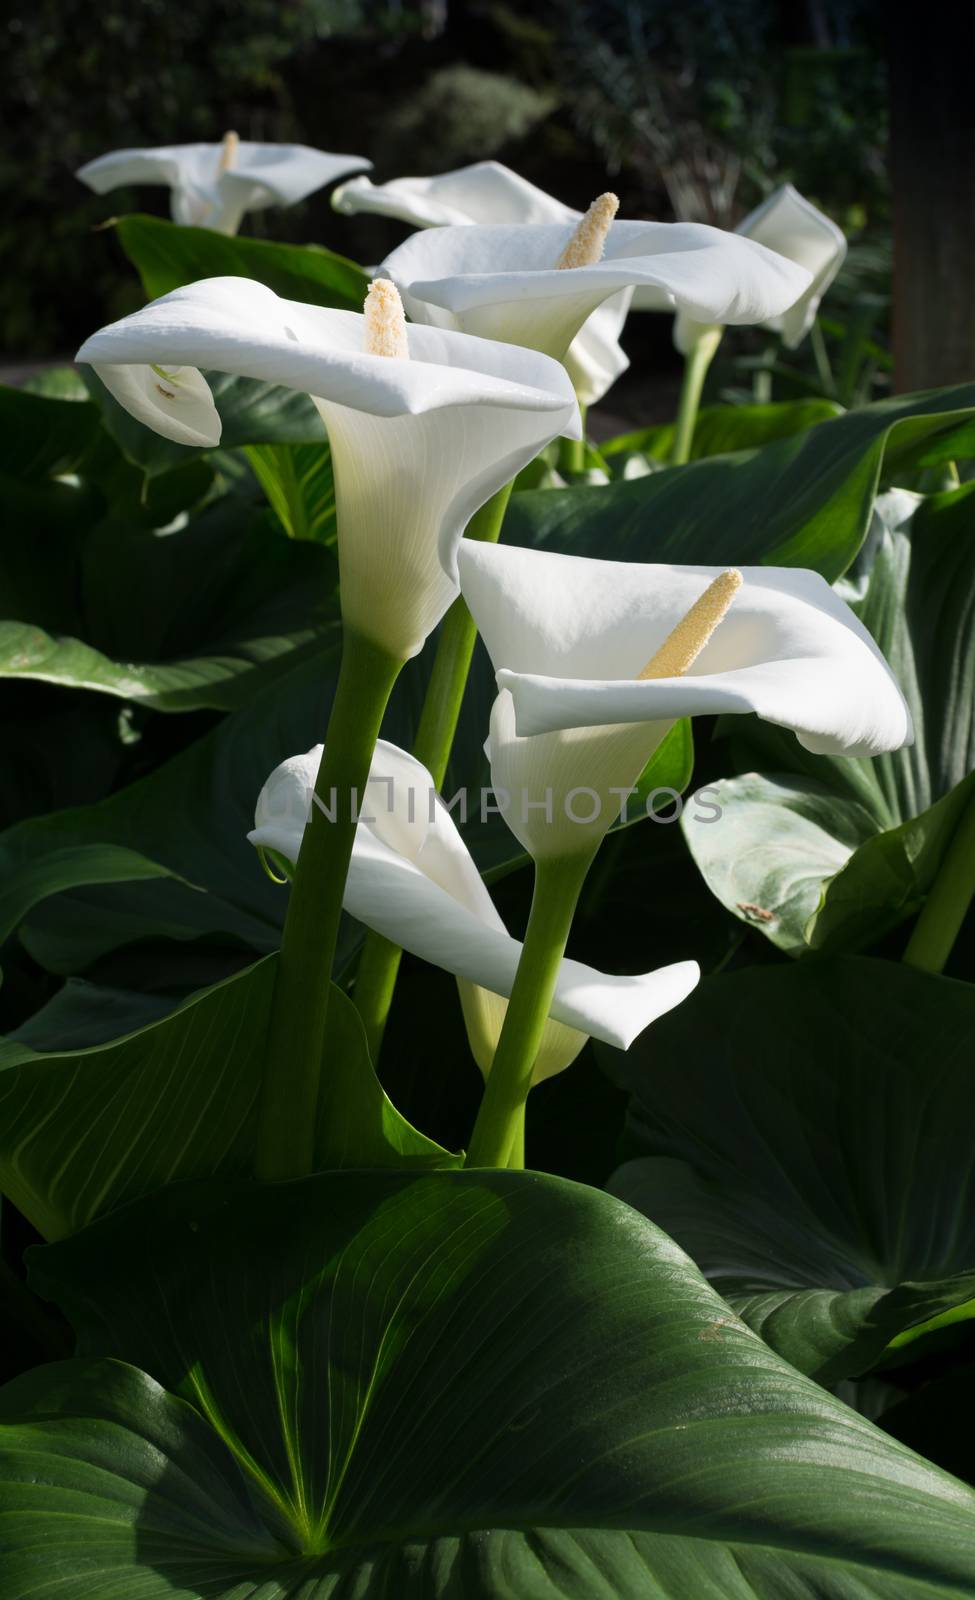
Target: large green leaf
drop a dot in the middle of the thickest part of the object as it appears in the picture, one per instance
(468, 1385)
(41, 437)
(167, 256)
(823, 852)
(190, 818)
(719, 429)
(801, 501)
(196, 618)
(298, 482)
(85, 1130)
(805, 1135)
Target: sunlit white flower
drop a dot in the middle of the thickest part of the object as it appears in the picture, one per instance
(575, 721)
(791, 225)
(489, 192)
(419, 440)
(413, 880)
(213, 185)
(504, 282)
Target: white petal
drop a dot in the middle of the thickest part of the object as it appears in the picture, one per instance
(390, 894)
(484, 1015)
(484, 192)
(491, 193)
(502, 282)
(417, 445)
(595, 358)
(792, 225)
(164, 165)
(175, 402)
(283, 174)
(206, 196)
(237, 325)
(561, 791)
(569, 637)
(432, 902)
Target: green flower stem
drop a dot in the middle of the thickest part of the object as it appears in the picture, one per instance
(939, 924)
(824, 369)
(696, 364)
(296, 1036)
(498, 1136)
(375, 981)
(572, 452)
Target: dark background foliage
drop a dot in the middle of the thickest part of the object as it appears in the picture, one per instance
(690, 109)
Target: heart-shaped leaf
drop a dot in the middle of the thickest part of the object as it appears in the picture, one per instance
(805, 1135)
(166, 256)
(475, 1384)
(85, 1130)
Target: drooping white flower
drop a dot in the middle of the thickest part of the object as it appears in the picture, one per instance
(504, 282)
(791, 225)
(489, 192)
(575, 721)
(418, 442)
(414, 881)
(213, 185)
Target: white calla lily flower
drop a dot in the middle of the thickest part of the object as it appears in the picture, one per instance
(414, 881)
(791, 225)
(213, 185)
(505, 283)
(489, 192)
(420, 439)
(575, 722)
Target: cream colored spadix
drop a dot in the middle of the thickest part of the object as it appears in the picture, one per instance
(685, 642)
(384, 330)
(229, 151)
(586, 246)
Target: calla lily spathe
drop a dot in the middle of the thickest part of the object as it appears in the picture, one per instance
(569, 638)
(489, 192)
(503, 282)
(417, 444)
(413, 880)
(791, 225)
(207, 193)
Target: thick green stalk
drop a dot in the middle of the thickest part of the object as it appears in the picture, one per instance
(939, 924)
(498, 1137)
(696, 364)
(296, 1036)
(375, 981)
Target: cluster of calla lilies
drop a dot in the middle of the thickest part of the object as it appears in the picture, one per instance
(515, 305)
